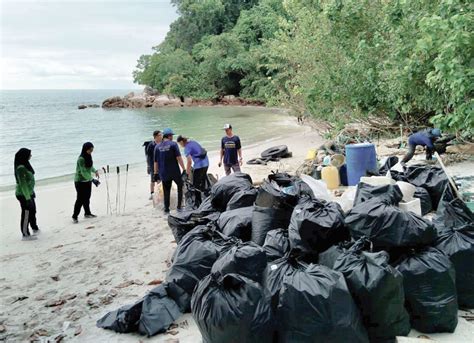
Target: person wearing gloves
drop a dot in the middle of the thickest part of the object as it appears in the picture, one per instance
(425, 138)
(25, 184)
(167, 162)
(196, 156)
(83, 182)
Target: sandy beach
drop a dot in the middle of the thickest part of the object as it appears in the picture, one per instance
(59, 285)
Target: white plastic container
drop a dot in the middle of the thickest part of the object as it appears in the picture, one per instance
(377, 180)
(408, 190)
(412, 206)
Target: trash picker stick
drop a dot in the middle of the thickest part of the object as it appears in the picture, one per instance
(453, 185)
(117, 198)
(126, 183)
(107, 186)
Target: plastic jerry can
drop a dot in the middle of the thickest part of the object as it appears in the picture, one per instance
(330, 175)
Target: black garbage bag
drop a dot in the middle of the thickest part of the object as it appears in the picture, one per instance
(276, 244)
(314, 304)
(328, 258)
(282, 179)
(430, 290)
(123, 320)
(232, 309)
(158, 312)
(271, 195)
(192, 197)
(246, 259)
(193, 260)
(425, 200)
(454, 222)
(389, 163)
(316, 225)
(237, 223)
(431, 178)
(377, 289)
(183, 222)
(389, 227)
(391, 193)
(265, 219)
(223, 191)
(241, 199)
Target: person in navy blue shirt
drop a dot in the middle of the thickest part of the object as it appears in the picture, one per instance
(150, 161)
(231, 151)
(167, 162)
(197, 155)
(425, 138)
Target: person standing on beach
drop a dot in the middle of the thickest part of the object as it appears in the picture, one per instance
(196, 154)
(25, 184)
(167, 162)
(150, 160)
(231, 151)
(83, 182)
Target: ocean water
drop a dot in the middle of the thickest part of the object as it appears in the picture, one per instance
(49, 123)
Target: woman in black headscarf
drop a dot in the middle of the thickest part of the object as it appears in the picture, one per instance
(25, 184)
(83, 181)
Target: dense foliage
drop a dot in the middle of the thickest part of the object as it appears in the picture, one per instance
(409, 60)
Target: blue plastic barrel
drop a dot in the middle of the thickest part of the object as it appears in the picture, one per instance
(360, 159)
(343, 175)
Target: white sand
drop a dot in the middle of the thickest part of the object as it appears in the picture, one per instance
(112, 257)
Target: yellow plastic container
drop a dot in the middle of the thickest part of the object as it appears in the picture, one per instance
(330, 175)
(311, 155)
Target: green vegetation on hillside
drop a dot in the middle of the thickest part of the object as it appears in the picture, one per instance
(411, 61)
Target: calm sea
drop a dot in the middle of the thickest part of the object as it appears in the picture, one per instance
(49, 123)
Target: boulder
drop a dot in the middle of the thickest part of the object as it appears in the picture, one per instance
(93, 106)
(113, 102)
(150, 91)
(81, 107)
(137, 101)
(166, 100)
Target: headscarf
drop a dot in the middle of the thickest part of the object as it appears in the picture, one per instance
(22, 158)
(87, 157)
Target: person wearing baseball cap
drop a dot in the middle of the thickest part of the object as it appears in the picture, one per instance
(167, 162)
(231, 151)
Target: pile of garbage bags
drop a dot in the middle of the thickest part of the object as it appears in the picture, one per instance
(279, 263)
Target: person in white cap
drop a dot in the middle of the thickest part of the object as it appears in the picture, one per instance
(231, 151)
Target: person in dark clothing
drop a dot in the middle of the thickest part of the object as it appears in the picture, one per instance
(196, 154)
(425, 138)
(83, 182)
(167, 162)
(150, 161)
(24, 191)
(231, 151)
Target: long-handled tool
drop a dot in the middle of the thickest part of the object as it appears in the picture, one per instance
(107, 186)
(117, 198)
(453, 184)
(125, 196)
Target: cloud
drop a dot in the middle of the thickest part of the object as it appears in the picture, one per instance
(74, 44)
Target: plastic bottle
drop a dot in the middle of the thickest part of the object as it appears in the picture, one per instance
(330, 175)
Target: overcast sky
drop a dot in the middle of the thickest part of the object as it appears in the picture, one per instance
(65, 44)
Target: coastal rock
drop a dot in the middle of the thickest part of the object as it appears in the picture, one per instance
(113, 102)
(150, 91)
(166, 100)
(81, 107)
(137, 101)
(93, 106)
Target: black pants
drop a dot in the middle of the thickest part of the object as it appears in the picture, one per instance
(411, 153)
(84, 190)
(199, 182)
(28, 215)
(167, 191)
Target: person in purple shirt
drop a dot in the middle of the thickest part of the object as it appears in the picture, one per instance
(424, 138)
(197, 155)
(231, 151)
(167, 162)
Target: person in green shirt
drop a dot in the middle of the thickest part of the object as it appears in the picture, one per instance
(83, 182)
(25, 184)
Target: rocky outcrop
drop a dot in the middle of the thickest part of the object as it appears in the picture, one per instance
(82, 107)
(151, 98)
